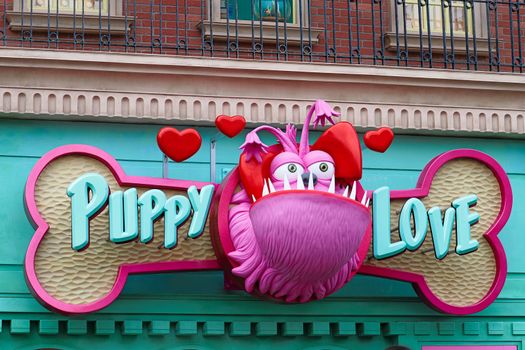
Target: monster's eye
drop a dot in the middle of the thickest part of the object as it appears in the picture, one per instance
(323, 170)
(291, 170)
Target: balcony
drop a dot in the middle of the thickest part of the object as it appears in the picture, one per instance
(479, 35)
(418, 66)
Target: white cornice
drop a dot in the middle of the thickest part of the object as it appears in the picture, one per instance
(169, 89)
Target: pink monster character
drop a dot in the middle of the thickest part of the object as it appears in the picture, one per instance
(299, 223)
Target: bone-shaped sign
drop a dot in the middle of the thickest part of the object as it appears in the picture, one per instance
(80, 281)
(71, 281)
(456, 284)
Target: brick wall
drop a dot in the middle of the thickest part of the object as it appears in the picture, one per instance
(352, 32)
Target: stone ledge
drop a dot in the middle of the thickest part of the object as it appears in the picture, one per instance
(438, 47)
(242, 31)
(68, 23)
(68, 85)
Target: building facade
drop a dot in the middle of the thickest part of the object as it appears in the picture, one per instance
(444, 75)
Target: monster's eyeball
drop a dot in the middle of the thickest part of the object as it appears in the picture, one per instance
(288, 170)
(320, 164)
(286, 164)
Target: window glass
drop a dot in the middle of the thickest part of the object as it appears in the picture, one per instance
(92, 7)
(265, 10)
(437, 13)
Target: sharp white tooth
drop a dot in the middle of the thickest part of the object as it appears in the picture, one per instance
(354, 190)
(272, 189)
(367, 202)
(286, 183)
(345, 193)
(331, 189)
(311, 182)
(363, 200)
(253, 198)
(300, 184)
(265, 189)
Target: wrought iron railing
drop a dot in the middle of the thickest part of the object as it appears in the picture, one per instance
(451, 34)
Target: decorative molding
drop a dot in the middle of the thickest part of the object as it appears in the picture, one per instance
(411, 327)
(89, 105)
(167, 90)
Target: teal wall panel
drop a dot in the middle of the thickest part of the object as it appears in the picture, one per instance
(192, 308)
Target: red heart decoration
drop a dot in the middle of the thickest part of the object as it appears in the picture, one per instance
(179, 145)
(379, 140)
(230, 126)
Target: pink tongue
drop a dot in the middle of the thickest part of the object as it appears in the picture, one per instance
(308, 235)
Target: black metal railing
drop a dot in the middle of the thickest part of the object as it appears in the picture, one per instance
(451, 34)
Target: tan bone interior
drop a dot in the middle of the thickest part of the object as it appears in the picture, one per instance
(458, 280)
(86, 276)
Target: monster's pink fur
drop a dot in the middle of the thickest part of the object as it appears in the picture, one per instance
(293, 256)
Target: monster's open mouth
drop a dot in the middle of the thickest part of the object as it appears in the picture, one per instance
(346, 192)
(299, 244)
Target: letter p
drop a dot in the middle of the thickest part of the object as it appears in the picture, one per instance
(82, 208)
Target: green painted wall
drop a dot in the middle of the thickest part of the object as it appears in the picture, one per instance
(193, 311)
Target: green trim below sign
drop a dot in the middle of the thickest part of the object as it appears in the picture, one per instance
(248, 334)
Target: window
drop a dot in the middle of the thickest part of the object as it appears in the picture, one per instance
(454, 10)
(259, 21)
(69, 16)
(68, 6)
(438, 21)
(263, 10)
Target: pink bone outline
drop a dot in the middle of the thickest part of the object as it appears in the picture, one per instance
(422, 189)
(124, 270)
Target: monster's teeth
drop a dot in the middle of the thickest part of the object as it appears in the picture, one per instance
(345, 193)
(331, 188)
(272, 188)
(363, 200)
(300, 184)
(253, 198)
(311, 182)
(265, 189)
(367, 202)
(286, 183)
(354, 190)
